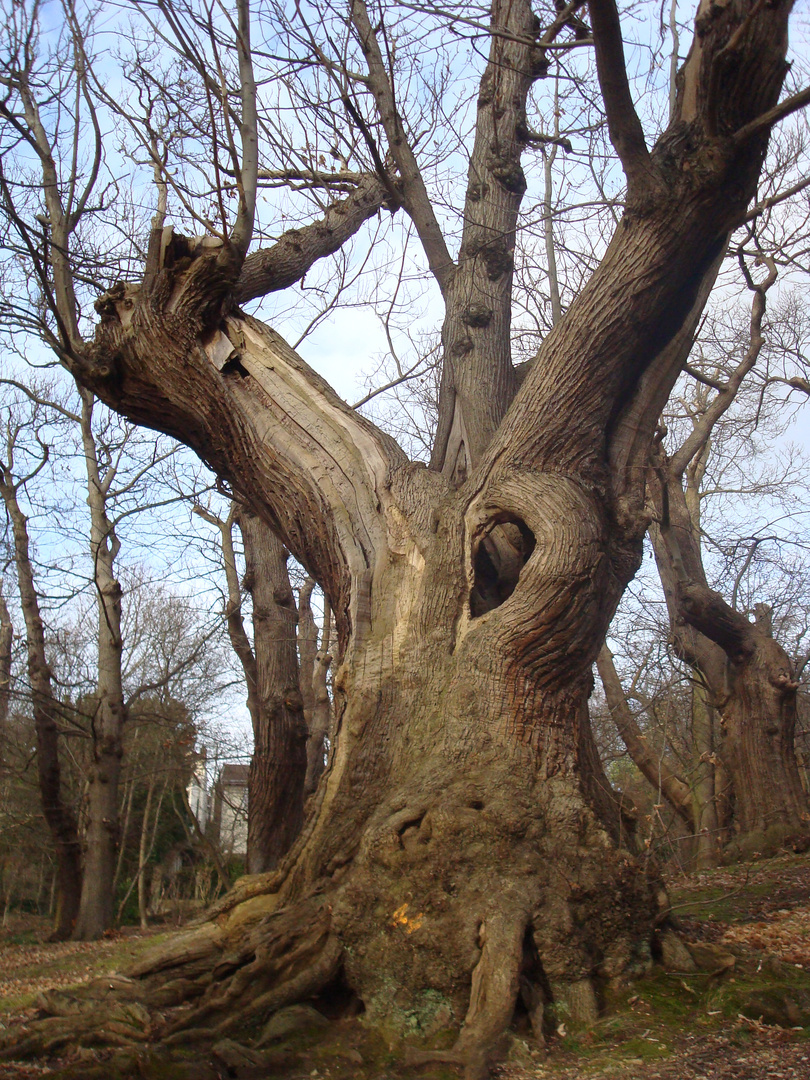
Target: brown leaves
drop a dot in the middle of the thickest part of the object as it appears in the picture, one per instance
(785, 934)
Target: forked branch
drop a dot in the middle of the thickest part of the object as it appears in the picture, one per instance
(626, 132)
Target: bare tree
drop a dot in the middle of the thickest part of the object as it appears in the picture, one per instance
(270, 664)
(464, 838)
(56, 808)
(747, 676)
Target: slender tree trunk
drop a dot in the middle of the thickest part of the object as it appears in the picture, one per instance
(651, 764)
(279, 762)
(96, 910)
(307, 649)
(59, 816)
(704, 800)
(314, 674)
(6, 643)
(119, 865)
(142, 855)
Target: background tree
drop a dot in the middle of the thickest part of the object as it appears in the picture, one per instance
(57, 810)
(278, 763)
(742, 733)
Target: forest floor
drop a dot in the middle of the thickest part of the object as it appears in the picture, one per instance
(746, 1017)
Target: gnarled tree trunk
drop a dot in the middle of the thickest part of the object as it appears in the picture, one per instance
(749, 678)
(464, 845)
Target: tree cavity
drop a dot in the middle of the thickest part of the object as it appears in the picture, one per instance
(498, 559)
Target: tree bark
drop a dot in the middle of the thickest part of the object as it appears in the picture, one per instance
(96, 910)
(279, 762)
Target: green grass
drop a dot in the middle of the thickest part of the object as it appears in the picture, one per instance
(70, 970)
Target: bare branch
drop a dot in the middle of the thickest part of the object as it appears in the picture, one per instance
(774, 200)
(766, 121)
(415, 198)
(651, 764)
(726, 394)
(277, 267)
(626, 132)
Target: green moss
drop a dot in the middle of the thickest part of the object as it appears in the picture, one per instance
(784, 1002)
(76, 966)
(718, 904)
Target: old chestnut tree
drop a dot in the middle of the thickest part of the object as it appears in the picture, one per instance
(464, 846)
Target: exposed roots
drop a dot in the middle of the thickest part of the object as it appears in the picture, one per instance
(453, 915)
(293, 962)
(285, 957)
(493, 993)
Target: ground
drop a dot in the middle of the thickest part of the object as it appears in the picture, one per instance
(745, 1016)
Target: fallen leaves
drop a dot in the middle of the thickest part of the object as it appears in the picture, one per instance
(785, 935)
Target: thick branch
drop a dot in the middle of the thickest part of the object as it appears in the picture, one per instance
(708, 612)
(478, 379)
(676, 544)
(626, 132)
(649, 283)
(766, 121)
(652, 765)
(692, 604)
(629, 440)
(316, 471)
(287, 261)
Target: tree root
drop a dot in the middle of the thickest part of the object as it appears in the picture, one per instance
(493, 994)
(289, 948)
(127, 1025)
(474, 953)
(286, 957)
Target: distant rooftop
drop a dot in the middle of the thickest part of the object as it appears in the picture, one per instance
(234, 775)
